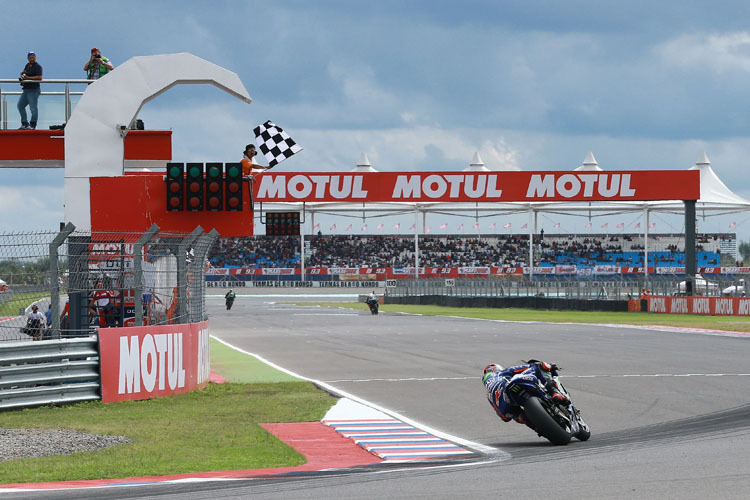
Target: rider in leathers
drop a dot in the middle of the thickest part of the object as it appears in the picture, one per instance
(496, 379)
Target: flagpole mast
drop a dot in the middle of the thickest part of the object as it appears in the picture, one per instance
(645, 246)
(416, 242)
(302, 254)
(532, 228)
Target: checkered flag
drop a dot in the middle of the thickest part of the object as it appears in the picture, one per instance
(274, 143)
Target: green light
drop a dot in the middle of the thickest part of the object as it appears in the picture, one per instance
(233, 171)
(195, 172)
(174, 172)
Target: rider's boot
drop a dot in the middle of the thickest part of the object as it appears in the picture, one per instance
(555, 394)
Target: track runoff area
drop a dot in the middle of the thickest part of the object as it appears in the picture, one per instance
(666, 406)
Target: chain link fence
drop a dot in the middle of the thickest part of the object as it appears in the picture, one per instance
(71, 283)
(609, 288)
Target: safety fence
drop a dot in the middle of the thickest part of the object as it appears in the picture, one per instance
(569, 288)
(294, 284)
(71, 283)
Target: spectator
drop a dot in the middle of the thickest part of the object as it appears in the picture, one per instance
(34, 323)
(48, 315)
(30, 78)
(98, 65)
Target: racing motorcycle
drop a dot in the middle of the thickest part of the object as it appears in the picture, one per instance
(229, 300)
(558, 422)
(372, 303)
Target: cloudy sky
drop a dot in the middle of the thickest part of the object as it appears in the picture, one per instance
(417, 85)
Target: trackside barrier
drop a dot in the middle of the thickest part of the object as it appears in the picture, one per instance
(505, 302)
(48, 372)
(711, 306)
(154, 361)
(118, 364)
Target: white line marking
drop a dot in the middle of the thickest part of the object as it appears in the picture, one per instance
(325, 314)
(623, 375)
(448, 437)
(661, 328)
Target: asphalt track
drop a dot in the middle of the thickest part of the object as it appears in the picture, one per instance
(669, 410)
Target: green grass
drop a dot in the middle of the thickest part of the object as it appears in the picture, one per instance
(18, 301)
(729, 323)
(235, 366)
(212, 429)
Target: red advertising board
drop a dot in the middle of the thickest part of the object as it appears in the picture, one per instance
(132, 203)
(711, 306)
(633, 185)
(153, 361)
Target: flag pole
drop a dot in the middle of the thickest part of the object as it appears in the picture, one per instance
(645, 247)
(532, 228)
(416, 243)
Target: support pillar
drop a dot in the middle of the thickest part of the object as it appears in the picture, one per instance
(690, 260)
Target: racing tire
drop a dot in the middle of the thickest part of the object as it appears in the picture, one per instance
(583, 435)
(546, 426)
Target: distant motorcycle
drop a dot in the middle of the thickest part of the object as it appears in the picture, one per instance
(373, 304)
(229, 299)
(557, 422)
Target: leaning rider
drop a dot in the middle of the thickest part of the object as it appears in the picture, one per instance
(496, 379)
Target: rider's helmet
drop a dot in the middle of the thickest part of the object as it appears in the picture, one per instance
(490, 370)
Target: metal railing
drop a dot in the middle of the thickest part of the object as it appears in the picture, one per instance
(66, 93)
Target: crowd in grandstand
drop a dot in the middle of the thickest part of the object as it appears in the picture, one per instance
(459, 251)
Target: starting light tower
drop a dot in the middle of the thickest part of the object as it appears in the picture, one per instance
(214, 186)
(101, 196)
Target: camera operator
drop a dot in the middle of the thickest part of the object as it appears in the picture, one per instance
(98, 65)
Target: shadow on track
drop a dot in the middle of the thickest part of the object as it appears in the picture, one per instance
(688, 429)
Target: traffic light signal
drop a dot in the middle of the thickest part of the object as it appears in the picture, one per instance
(282, 223)
(214, 187)
(233, 187)
(194, 187)
(175, 190)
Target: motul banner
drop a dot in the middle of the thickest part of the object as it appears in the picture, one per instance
(713, 306)
(279, 271)
(634, 185)
(343, 270)
(474, 270)
(152, 361)
(606, 269)
(566, 269)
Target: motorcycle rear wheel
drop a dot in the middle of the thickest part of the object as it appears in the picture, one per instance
(546, 426)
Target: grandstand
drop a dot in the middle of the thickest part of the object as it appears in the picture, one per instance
(582, 251)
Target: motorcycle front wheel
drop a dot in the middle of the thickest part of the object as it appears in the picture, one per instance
(545, 425)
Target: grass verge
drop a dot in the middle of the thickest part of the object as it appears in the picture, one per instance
(213, 429)
(235, 366)
(20, 300)
(729, 323)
